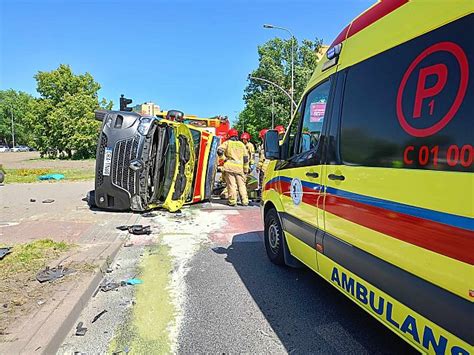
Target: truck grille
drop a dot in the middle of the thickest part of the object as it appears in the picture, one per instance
(122, 176)
(100, 159)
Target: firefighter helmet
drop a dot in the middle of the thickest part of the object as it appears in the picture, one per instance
(233, 133)
(262, 133)
(280, 129)
(245, 135)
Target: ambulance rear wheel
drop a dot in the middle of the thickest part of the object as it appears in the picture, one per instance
(274, 238)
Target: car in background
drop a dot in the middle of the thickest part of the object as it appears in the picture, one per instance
(142, 163)
(4, 148)
(20, 148)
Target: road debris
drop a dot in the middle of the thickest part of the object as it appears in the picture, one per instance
(137, 229)
(32, 200)
(134, 282)
(128, 244)
(48, 200)
(5, 251)
(51, 274)
(51, 177)
(99, 315)
(148, 214)
(109, 286)
(80, 330)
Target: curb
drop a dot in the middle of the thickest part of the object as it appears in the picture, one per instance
(63, 330)
(47, 337)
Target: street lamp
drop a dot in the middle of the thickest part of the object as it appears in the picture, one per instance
(293, 106)
(268, 26)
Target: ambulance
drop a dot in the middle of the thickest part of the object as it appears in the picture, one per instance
(142, 163)
(372, 186)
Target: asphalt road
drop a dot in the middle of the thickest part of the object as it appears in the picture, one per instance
(237, 301)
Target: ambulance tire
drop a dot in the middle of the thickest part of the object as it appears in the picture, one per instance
(274, 238)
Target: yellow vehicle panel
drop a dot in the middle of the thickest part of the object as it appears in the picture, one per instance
(424, 335)
(396, 225)
(175, 204)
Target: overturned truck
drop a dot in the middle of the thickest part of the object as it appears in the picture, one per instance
(144, 162)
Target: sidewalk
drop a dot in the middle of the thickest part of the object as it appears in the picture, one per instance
(96, 242)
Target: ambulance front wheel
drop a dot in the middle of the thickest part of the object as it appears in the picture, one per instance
(274, 238)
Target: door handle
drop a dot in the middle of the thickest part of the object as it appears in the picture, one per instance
(336, 177)
(313, 175)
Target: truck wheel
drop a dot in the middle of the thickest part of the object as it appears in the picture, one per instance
(274, 238)
(91, 199)
(2, 177)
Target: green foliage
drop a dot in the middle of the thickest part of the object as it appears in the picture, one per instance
(275, 65)
(66, 124)
(22, 107)
(60, 123)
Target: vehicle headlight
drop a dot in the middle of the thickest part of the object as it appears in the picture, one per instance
(144, 126)
(108, 120)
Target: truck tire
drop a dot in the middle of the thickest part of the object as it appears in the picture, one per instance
(2, 177)
(274, 238)
(91, 199)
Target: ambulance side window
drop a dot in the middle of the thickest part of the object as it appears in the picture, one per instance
(313, 117)
(293, 132)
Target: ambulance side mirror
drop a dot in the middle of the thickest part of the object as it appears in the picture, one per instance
(272, 145)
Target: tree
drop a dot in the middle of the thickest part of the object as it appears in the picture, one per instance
(275, 65)
(64, 123)
(21, 106)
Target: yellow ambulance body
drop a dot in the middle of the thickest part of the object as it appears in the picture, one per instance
(373, 185)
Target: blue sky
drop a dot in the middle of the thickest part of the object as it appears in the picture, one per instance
(190, 55)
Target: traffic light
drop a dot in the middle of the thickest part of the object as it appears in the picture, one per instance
(124, 102)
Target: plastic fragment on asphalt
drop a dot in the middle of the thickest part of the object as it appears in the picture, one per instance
(149, 214)
(137, 229)
(128, 244)
(109, 286)
(99, 315)
(5, 251)
(48, 200)
(51, 177)
(134, 282)
(51, 274)
(80, 330)
(32, 200)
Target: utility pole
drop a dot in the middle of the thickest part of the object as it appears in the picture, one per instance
(13, 126)
(273, 112)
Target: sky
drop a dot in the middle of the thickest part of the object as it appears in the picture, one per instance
(181, 54)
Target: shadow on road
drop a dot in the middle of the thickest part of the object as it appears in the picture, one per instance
(305, 311)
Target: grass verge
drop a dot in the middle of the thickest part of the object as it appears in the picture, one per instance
(30, 257)
(19, 290)
(31, 175)
(146, 332)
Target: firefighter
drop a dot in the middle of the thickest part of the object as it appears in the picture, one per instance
(235, 168)
(245, 138)
(262, 163)
(281, 131)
